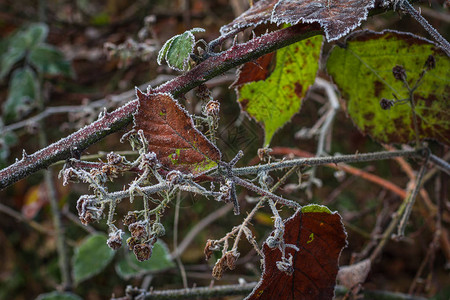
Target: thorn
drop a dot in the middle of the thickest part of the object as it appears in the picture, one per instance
(24, 155)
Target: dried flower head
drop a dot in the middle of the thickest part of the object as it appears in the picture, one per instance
(232, 257)
(399, 72)
(386, 103)
(115, 239)
(142, 251)
(212, 108)
(138, 230)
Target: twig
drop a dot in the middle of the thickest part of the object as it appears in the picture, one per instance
(175, 239)
(325, 160)
(243, 289)
(199, 227)
(348, 169)
(33, 224)
(411, 200)
(406, 6)
(440, 163)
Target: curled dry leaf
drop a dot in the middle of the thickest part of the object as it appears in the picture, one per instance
(310, 272)
(171, 134)
(350, 276)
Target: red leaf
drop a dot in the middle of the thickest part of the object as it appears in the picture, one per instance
(256, 70)
(320, 238)
(337, 17)
(257, 14)
(171, 134)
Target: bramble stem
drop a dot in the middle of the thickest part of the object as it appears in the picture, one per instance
(325, 160)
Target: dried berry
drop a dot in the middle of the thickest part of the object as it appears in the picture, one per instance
(386, 103)
(115, 239)
(430, 63)
(132, 241)
(130, 218)
(399, 73)
(138, 230)
(87, 212)
(142, 251)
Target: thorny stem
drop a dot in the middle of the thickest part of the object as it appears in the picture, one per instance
(325, 160)
(406, 6)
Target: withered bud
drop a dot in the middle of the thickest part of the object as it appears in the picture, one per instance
(132, 241)
(232, 257)
(87, 212)
(138, 230)
(130, 218)
(142, 251)
(264, 153)
(209, 247)
(212, 108)
(386, 103)
(69, 175)
(114, 158)
(399, 72)
(430, 63)
(115, 239)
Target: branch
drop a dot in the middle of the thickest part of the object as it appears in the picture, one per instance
(112, 122)
(314, 161)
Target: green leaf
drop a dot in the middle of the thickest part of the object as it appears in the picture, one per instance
(23, 90)
(49, 60)
(363, 72)
(58, 296)
(91, 257)
(129, 267)
(315, 208)
(20, 42)
(274, 101)
(177, 50)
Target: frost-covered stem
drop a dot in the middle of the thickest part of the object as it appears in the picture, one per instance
(313, 161)
(265, 193)
(411, 200)
(406, 6)
(175, 239)
(111, 122)
(440, 163)
(261, 204)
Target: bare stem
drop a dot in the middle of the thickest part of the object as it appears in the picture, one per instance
(406, 6)
(313, 161)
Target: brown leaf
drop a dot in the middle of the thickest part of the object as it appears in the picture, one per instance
(337, 17)
(320, 237)
(171, 134)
